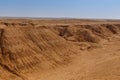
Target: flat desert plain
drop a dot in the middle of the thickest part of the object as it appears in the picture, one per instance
(59, 49)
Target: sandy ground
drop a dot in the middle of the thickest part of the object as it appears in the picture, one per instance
(59, 49)
(98, 64)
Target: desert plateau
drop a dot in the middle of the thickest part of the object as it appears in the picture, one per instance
(59, 49)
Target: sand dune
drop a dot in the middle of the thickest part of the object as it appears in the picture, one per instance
(59, 49)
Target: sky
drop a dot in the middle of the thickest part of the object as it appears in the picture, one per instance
(105, 9)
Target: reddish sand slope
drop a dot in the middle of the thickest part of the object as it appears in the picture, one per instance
(59, 50)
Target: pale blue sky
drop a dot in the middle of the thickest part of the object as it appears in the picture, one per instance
(61, 8)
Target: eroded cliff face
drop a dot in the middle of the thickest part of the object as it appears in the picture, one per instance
(26, 48)
(88, 33)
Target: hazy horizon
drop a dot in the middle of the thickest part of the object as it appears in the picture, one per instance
(85, 9)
